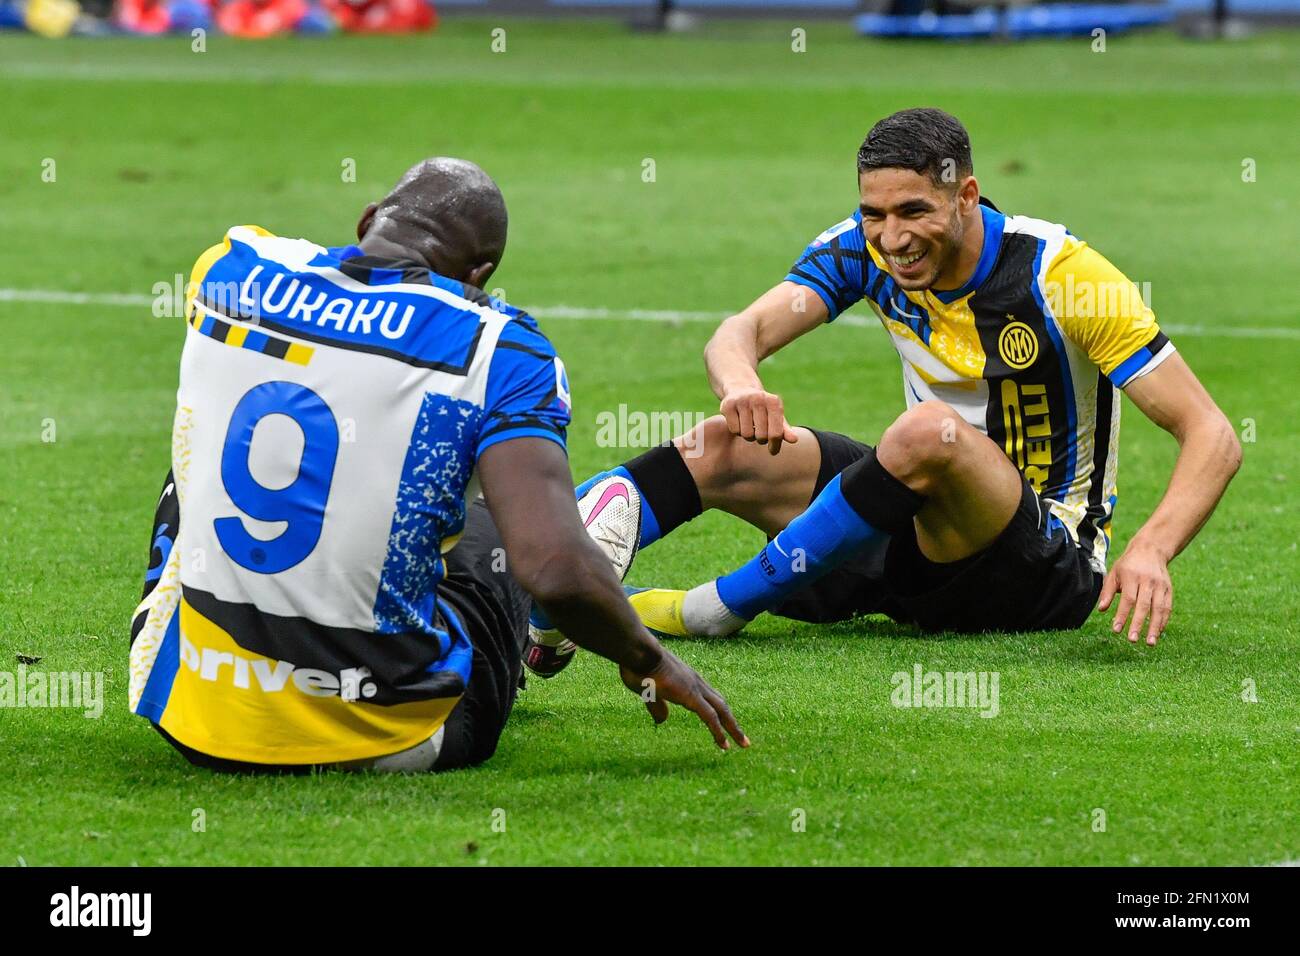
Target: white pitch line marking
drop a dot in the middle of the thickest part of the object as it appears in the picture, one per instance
(596, 314)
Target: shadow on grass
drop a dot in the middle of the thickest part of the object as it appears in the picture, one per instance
(1092, 643)
(149, 765)
(609, 765)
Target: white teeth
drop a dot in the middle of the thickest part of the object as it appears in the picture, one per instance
(908, 260)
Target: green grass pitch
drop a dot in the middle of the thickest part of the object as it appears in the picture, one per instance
(1139, 149)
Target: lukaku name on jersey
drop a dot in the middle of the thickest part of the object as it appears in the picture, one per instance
(296, 300)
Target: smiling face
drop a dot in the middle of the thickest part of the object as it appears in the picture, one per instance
(921, 228)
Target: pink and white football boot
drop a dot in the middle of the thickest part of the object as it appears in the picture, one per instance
(611, 512)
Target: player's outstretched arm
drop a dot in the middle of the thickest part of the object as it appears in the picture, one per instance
(771, 322)
(1209, 455)
(529, 491)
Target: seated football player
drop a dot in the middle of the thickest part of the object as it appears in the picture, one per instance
(987, 504)
(327, 587)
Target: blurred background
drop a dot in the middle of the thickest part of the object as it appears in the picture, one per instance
(939, 19)
(664, 163)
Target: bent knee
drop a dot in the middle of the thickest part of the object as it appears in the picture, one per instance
(716, 458)
(706, 443)
(925, 439)
(744, 477)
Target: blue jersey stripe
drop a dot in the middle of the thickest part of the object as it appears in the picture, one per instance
(523, 431)
(994, 224)
(158, 688)
(1130, 367)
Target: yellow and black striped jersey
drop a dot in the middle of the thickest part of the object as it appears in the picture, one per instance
(1032, 351)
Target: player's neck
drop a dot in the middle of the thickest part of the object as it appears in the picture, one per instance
(968, 259)
(382, 248)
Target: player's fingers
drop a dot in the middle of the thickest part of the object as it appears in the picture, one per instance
(1108, 588)
(1160, 608)
(788, 434)
(1141, 611)
(732, 415)
(761, 431)
(725, 715)
(774, 446)
(1126, 598)
(746, 430)
(775, 418)
(658, 710)
(706, 713)
(687, 695)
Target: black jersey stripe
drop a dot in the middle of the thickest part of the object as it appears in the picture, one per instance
(877, 282)
(219, 330)
(275, 348)
(1089, 526)
(1158, 341)
(398, 662)
(512, 422)
(362, 269)
(526, 349)
(828, 292)
(835, 252)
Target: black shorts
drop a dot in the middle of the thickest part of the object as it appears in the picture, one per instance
(1033, 577)
(494, 609)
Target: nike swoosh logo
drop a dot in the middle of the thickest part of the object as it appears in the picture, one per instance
(612, 492)
(897, 311)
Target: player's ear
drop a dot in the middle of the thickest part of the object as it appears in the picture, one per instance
(968, 194)
(367, 217)
(479, 275)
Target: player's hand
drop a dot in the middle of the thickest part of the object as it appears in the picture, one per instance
(1141, 577)
(756, 415)
(674, 682)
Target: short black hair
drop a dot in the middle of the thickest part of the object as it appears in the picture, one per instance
(925, 140)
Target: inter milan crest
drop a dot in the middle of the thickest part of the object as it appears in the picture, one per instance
(1018, 345)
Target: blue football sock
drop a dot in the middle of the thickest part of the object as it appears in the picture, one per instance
(862, 506)
(825, 535)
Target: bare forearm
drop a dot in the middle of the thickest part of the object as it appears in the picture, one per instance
(767, 325)
(732, 356)
(1208, 457)
(530, 493)
(585, 601)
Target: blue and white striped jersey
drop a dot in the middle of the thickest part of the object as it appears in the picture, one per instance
(331, 410)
